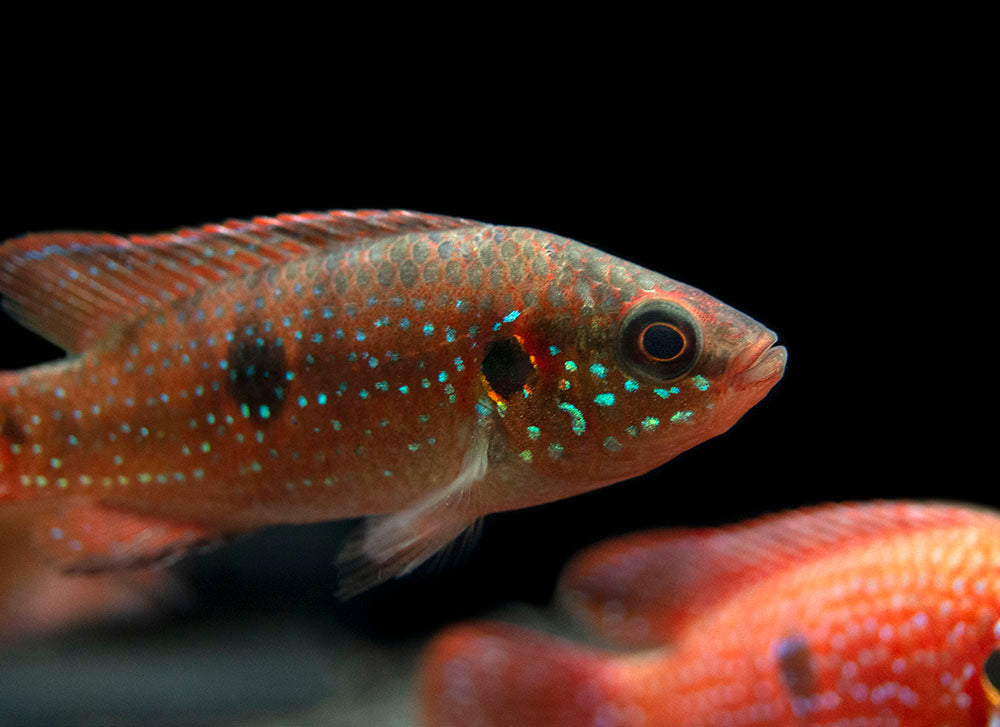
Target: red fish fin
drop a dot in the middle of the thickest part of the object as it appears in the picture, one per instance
(86, 536)
(643, 589)
(496, 675)
(75, 288)
(393, 545)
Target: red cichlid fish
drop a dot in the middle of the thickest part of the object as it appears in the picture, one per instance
(308, 367)
(846, 615)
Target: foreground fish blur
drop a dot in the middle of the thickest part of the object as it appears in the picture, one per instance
(426, 369)
(861, 615)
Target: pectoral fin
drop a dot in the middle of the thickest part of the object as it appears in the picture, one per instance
(87, 536)
(392, 545)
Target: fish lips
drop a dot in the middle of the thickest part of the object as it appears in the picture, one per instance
(759, 365)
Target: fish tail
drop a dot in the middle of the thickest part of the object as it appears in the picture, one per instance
(11, 436)
(493, 675)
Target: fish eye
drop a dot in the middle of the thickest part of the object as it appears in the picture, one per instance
(660, 339)
(991, 678)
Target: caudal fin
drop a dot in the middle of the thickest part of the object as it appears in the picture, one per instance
(495, 675)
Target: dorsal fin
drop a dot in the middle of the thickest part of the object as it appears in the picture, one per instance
(643, 589)
(72, 288)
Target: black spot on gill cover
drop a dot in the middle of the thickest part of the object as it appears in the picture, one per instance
(257, 371)
(506, 366)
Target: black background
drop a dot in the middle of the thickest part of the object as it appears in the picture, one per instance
(806, 211)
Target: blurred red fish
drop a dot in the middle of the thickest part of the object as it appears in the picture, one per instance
(426, 369)
(36, 599)
(848, 616)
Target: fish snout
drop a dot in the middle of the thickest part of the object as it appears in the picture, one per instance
(760, 364)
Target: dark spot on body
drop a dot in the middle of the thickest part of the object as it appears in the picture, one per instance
(364, 277)
(507, 366)
(795, 666)
(496, 277)
(475, 275)
(445, 249)
(257, 370)
(10, 428)
(431, 272)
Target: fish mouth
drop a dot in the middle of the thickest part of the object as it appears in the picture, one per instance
(763, 362)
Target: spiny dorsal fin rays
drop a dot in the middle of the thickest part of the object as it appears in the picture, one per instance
(75, 288)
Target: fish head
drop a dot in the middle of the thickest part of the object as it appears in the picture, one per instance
(621, 369)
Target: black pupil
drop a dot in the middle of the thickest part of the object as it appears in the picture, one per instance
(662, 341)
(992, 669)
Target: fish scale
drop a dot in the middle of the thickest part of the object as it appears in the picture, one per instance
(330, 365)
(868, 615)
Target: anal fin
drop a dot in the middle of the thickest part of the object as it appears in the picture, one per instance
(88, 536)
(393, 545)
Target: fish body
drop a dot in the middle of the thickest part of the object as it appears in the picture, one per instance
(873, 614)
(332, 365)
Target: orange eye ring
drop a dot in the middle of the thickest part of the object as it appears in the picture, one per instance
(649, 330)
(659, 340)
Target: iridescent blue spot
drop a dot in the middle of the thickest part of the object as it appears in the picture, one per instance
(382, 385)
(496, 326)
(289, 375)
(327, 313)
(579, 423)
(244, 410)
(73, 440)
(321, 399)
(372, 300)
(336, 425)
(418, 304)
(631, 385)
(426, 383)
(650, 424)
(598, 370)
(60, 393)
(223, 364)
(443, 376)
(449, 334)
(483, 410)
(383, 321)
(413, 446)
(341, 387)
(664, 393)
(360, 335)
(449, 389)
(534, 432)
(303, 401)
(553, 350)
(428, 329)
(459, 366)
(512, 316)
(258, 302)
(317, 338)
(473, 331)
(605, 399)
(279, 392)
(404, 324)
(339, 333)
(306, 312)
(363, 394)
(681, 416)
(352, 356)
(239, 308)
(392, 355)
(570, 365)
(286, 321)
(310, 359)
(700, 382)
(373, 362)
(164, 398)
(404, 389)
